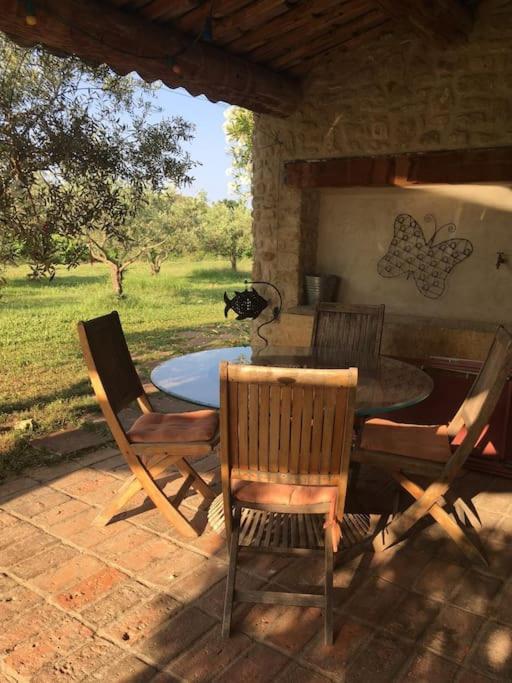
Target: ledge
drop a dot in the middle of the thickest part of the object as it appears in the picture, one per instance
(419, 321)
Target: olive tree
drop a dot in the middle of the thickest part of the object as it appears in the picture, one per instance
(78, 152)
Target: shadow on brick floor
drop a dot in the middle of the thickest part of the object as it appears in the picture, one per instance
(133, 601)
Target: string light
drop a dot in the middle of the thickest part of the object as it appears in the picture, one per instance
(30, 15)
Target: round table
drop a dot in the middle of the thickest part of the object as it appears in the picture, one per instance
(384, 384)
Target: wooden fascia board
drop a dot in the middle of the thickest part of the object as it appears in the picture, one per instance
(484, 165)
(102, 34)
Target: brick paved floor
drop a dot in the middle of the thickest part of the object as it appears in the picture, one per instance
(135, 602)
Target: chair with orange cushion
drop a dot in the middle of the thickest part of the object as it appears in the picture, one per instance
(437, 452)
(285, 449)
(155, 442)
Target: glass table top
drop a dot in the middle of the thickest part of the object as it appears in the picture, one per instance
(384, 383)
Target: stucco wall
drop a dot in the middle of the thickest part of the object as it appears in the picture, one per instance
(360, 223)
(400, 95)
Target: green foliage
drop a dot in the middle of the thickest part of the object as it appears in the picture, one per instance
(227, 230)
(239, 132)
(43, 379)
(69, 164)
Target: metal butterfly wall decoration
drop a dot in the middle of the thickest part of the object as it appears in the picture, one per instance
(429, 263)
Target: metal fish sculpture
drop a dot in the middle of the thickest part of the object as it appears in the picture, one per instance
(247, 304)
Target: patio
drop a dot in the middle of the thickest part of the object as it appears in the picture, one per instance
(134, 601)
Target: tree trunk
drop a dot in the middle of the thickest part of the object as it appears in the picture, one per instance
(116, 275)
(233, 263)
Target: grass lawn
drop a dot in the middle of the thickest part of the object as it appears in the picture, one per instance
(43, 377)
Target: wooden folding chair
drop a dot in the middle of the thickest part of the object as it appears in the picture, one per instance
(430, 451)
(352, 329)
(285, 448)
(156, 441)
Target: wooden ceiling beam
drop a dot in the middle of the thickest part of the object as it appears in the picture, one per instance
(298, 17)
(193, 21)
(318, 45)
(326, 25)
(458, 166)
(165, 10)
(440, 21)
(101, 34)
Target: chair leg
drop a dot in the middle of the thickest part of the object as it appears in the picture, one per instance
(198, 483)
(129, 489)
(329, 566)
(231, 578)
(125, 493)
(447, 523)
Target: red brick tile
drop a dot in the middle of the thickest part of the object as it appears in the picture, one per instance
(41, 636)
(86, 482)
(211, 544)
(29, 546)
(104, 492)
(299, 674)
(475, 592)
(115, 465)
(127, 541)
(213, 602)
(82, 663)
(466, 676)
(67, 574)
(169, 569)
(373, 600)
(46, 560)
(209, 655)
(35, 501)
(349, 637)
(12, 487)
(6, 583)
(402, 567)
(59, 513)
(92, 535)
(502, 607)
(140, 621)
(63, 469)
(14, 532)
(493, 654)
(426, 667)
(6, 520)
(411, 616)
(16, 601)
(453, 632)
(287, 627)
(380, 661)
(175, 636)
(69, 527)
(439, 578)
(299, 573)
(90, 589)
(127, 670)
(197, 582)
(266, 566)
(260, 664)
(122, 598)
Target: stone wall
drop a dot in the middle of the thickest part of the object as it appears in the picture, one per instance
(402, 95)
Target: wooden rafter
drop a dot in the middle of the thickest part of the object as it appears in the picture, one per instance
(484, 165)
(439, 20)
(99, 33)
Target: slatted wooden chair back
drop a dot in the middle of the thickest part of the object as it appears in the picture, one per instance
(353, 329)
(478, 406)
(285, 425)
(112, 372)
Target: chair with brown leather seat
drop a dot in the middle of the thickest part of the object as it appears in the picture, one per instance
(156, 442)
(285, 448)
(437, 452)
